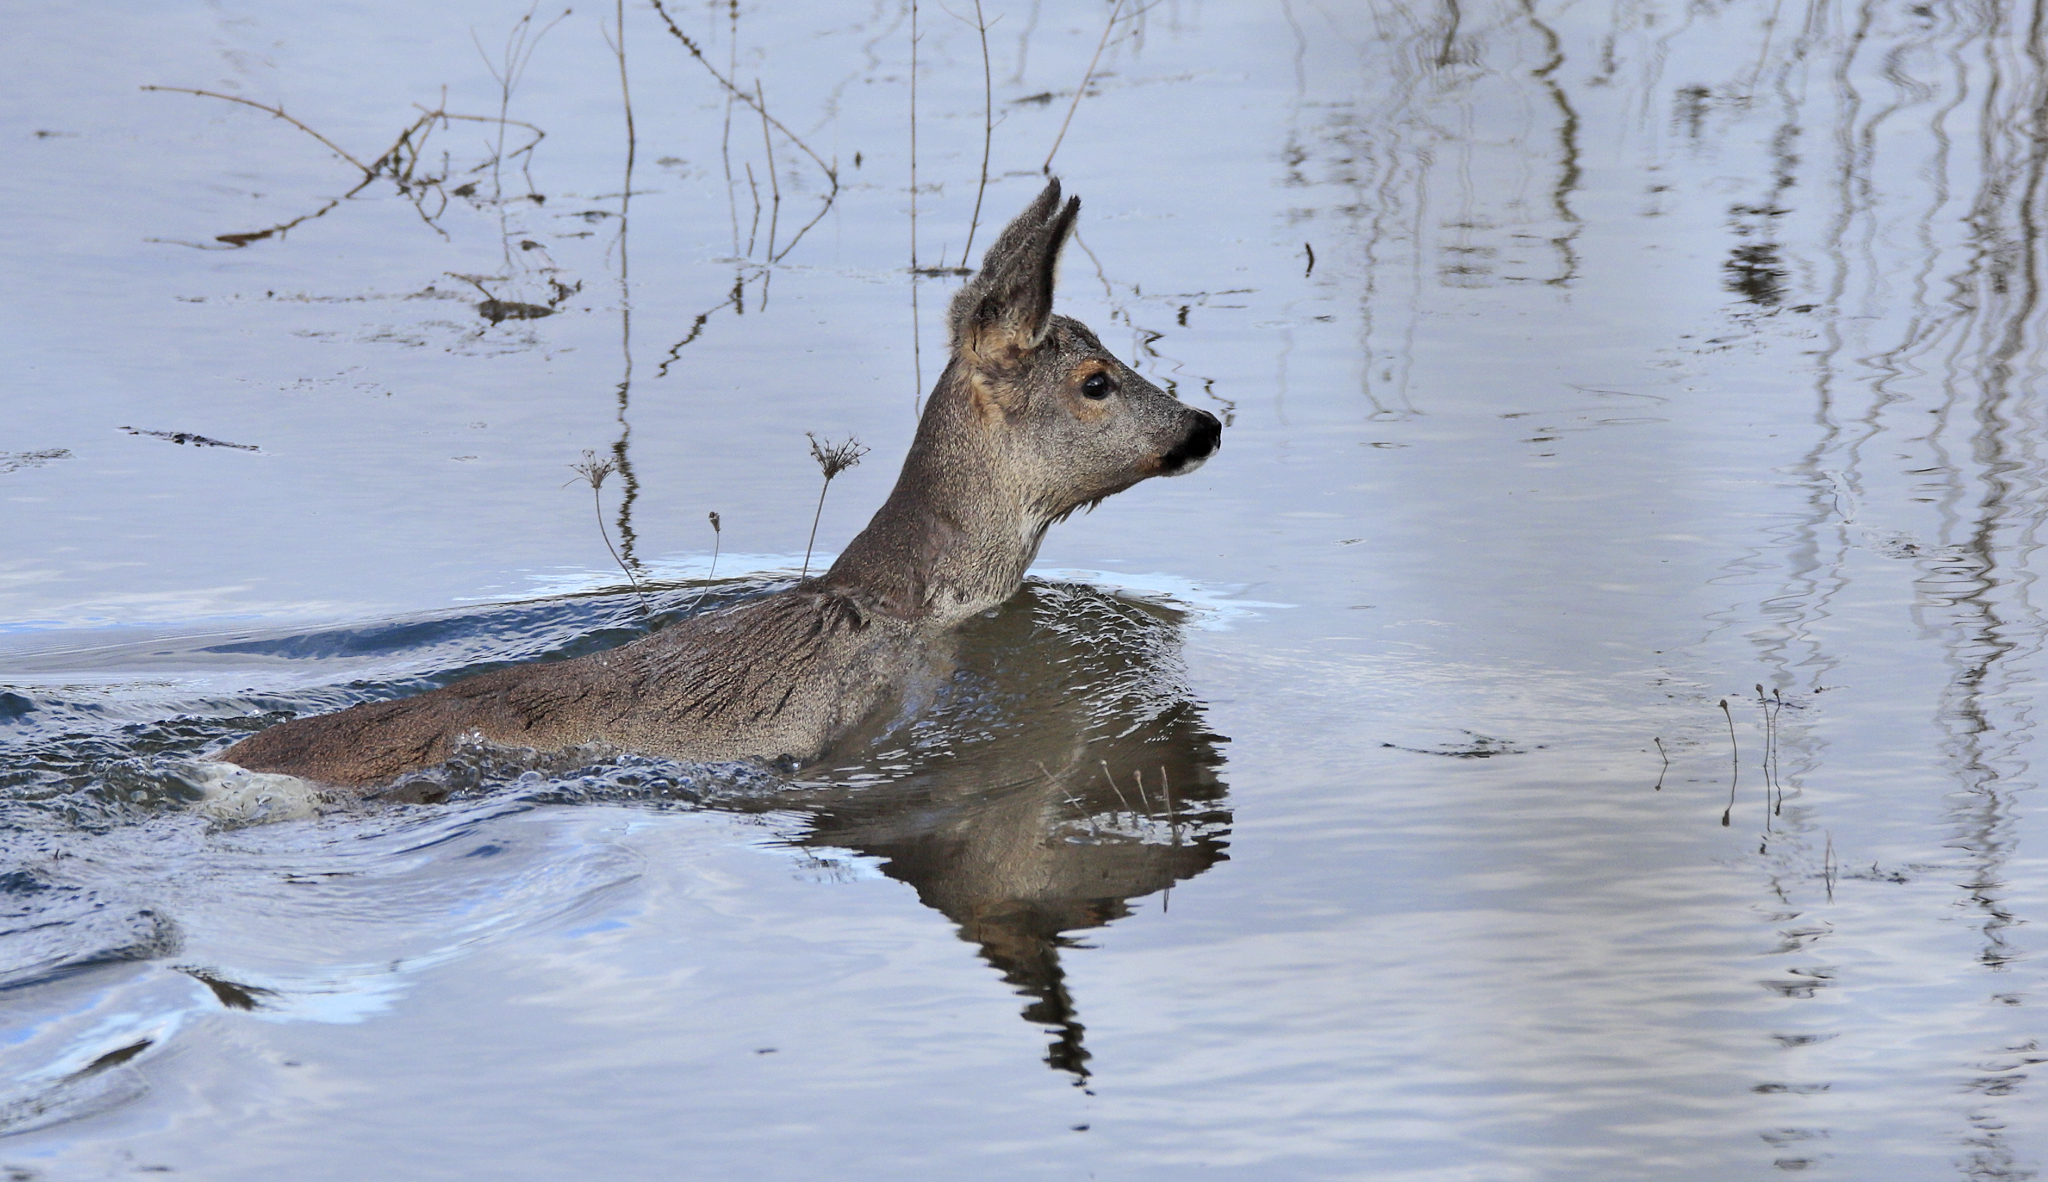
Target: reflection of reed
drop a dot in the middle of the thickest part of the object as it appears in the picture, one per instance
(1895, 162)
(1446, 95)
(621, 450)
(1926, 220)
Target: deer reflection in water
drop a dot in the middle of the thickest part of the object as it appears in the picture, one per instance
(1063, 770)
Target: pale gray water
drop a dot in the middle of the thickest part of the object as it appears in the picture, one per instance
(1650, 353)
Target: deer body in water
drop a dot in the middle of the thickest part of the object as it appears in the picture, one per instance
(1031, 420)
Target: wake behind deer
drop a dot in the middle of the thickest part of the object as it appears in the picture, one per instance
(1031, 419)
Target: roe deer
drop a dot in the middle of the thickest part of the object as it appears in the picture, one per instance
(1031, 420)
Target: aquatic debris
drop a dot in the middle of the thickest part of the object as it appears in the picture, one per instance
(1481, 747)
(498, 311)
(191, 437)
(233, 995)
(15, 461)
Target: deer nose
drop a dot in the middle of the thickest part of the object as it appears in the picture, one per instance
(1201, 442)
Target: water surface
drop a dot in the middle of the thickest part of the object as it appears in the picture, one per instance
(1363, 805)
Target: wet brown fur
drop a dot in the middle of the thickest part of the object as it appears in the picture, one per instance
(1010, 442)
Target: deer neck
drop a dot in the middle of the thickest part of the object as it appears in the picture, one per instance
(957, 532)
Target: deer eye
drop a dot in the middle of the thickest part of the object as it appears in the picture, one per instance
(1097, 386)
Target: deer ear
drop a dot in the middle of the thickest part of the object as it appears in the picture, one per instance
(1005, 311)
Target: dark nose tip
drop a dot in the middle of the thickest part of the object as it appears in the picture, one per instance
(1202, 441)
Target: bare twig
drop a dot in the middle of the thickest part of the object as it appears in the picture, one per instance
(755, 227)
(618, 44)
(697, 52)
(1082, 89)
(735, 93)
(520, 44)
(774, 184)
(913, 141)
(397, 163)
(732, 46)
(525, 149)
(337, 149)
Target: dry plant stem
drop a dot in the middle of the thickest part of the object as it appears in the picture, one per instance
(833, 458)
(396, 163)
(755, 227)
(913, 141)
(734, 92)
(525, 149)
(626, 95)
(988, 129)
(732, 203)
(916, 320)
(710, 580)
(1172, 821)
(1111, 781)
(593, 471)
(508, 72)
(276, 111)
(815, 516)
(597, 507)
(1114, 12)
(1734, 767)
(697, 52)
(774, 184)
(388, 160)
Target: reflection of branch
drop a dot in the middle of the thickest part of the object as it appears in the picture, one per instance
(1568, 145)
(240, 240)
(736, 298)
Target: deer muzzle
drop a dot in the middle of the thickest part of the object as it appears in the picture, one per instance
(1201, 442)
